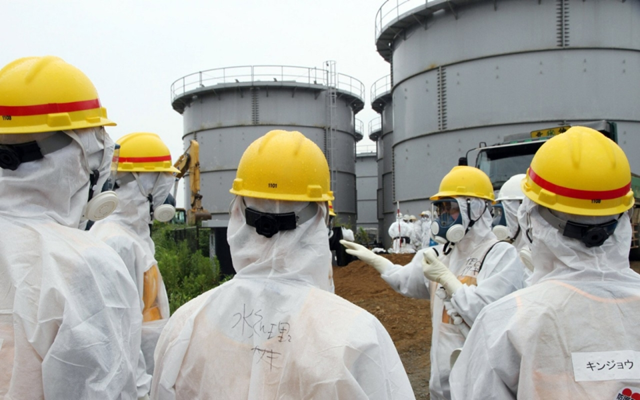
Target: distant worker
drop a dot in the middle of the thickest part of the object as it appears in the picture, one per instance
(573, 332)
(274, 330)
(505, 218)
(416, 232)
(400, 232)
(145, 179)
(425, 223)
(68, 329)
(470, 270)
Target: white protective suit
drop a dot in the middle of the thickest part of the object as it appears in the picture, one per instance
(501, 273)
(572, 334)
(127, 232)
(274, 331)
(397, 230)
(416, 234)
(425, 238)
(67, 327)
(511, 216)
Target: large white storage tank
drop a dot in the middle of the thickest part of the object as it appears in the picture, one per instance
(474, 71)
(226, 109)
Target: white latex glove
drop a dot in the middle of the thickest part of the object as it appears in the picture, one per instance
(145, 397)
(436, 271)
(381, 264)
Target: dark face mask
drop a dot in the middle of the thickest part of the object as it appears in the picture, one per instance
(590, 235)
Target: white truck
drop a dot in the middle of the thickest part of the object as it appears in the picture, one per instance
(513, 156)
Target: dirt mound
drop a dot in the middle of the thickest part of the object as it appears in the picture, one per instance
(407, 320)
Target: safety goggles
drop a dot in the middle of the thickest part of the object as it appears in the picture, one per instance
(497, 211)
(446, 212)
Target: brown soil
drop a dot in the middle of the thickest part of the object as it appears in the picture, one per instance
(407, 320)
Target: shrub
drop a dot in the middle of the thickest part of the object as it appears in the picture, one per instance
(186, 273)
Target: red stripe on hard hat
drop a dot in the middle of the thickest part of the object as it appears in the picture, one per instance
(51, 108)
(144, 159)
(576, 193)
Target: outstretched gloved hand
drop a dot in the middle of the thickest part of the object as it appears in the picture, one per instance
(436, 271)
(381, 264)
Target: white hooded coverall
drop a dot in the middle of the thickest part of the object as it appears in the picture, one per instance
(572, 334)
(274, 331)
(501, 273)
(67, 326)
(398, 230)
(127, 232)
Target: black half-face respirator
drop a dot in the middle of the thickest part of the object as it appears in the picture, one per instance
(590, 235)
(268, 224)
(12, 155)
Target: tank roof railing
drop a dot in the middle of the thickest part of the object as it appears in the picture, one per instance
(262, 74)
(359, 126)
(375, 125)
(381, 87)
(366, 148)
(392, 10)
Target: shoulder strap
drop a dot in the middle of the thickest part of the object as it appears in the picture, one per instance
(488, 251)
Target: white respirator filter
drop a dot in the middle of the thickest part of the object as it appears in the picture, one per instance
(501, 232)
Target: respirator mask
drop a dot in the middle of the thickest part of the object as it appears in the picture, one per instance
(100, 206)
(591, 235)
(447, 221)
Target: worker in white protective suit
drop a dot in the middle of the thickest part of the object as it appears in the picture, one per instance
(425, 223)
(274, 330)
(574, 332)
(144, 182)
(400, 233)
(68, 329)
(416, 232)
(468, 270)
(505, 212)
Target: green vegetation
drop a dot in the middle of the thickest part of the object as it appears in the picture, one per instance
(186, 272)
(362, 237)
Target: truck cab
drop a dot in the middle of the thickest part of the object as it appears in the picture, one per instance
(513, 156)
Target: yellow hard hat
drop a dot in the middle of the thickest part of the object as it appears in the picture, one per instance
(144, 152)
(44, 94)
(580, 172)
(283, 165)
(465, 181)
(331, 212)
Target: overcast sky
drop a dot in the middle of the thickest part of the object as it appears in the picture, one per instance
(134, 50)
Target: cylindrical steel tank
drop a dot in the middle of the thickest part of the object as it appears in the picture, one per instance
(367, 187)
(382, 104)
(226, 109)
(475, 71)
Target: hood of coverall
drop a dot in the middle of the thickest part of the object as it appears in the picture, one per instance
(511, 215)
(133, 206)
(556, 256)
(57, 186)
(301, 254)
(481, 231)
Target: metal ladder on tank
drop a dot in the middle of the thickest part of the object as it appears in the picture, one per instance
(330, 130)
